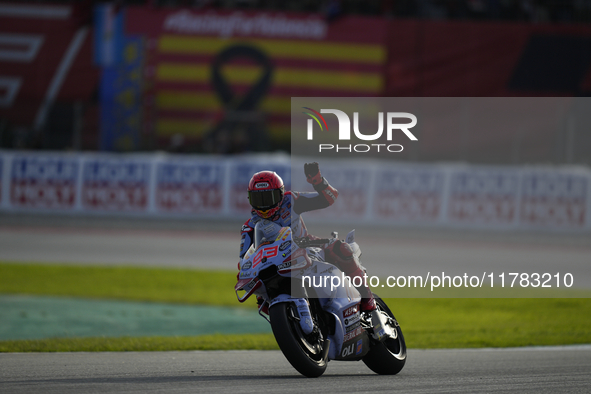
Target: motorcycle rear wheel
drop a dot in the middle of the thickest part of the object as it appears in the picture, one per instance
(388, 357)
(302, 351)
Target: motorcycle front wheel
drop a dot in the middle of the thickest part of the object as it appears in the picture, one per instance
(304, 352)
(388, 357)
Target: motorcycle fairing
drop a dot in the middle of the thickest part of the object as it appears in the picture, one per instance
(354, 349)
(349, 341)
(249, 286)
(296, 261)
(343, 303)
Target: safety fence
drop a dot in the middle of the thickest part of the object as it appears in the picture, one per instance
(384, 192)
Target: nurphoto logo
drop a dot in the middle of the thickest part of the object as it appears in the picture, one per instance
(344, 132)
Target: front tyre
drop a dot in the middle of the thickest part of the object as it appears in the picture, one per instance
(304, 352)
(388, 357)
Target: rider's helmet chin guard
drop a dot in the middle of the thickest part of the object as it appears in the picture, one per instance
(265, 193)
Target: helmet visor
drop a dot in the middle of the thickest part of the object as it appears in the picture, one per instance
(264, 199)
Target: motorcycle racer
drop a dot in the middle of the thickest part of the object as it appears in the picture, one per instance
(269, 200)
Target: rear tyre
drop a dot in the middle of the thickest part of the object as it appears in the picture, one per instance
(388, 357)
(304, 352)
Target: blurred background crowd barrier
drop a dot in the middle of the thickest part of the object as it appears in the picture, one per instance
(196, 78)
(217, 76)
(174, 185)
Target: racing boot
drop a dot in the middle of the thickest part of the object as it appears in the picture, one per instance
(341, 254)
(368, 304)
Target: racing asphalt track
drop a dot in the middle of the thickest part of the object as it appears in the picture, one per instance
(214, 245)
(186, 244)
(525, 370)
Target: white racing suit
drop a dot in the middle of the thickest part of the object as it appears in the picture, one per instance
(289, 215)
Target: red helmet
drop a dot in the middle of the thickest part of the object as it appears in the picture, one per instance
(265, 193)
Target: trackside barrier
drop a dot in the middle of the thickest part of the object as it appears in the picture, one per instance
(395, 193)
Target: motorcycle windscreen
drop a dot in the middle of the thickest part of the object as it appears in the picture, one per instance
(265, 231)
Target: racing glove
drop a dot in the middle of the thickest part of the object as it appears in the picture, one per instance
(312, 173)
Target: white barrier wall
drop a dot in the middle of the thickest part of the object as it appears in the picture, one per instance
(141, 184)
(395, 193)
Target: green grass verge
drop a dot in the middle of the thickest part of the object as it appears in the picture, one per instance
(203, 342)
(121, 283)
(493, 322)
(426, 323)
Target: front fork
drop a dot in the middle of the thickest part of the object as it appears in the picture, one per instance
(302, 311)
(305, 317)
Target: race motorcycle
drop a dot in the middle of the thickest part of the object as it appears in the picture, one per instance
(312, 320)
